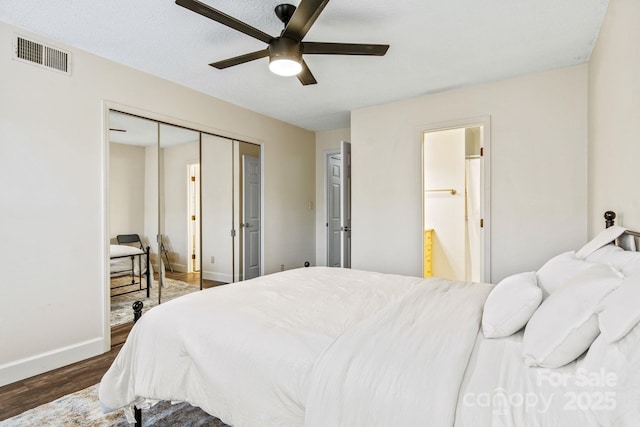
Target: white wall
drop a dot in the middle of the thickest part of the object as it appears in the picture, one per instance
(126, 189)
(538, 171)
(54, 217)
(614, 118)
(325, 141)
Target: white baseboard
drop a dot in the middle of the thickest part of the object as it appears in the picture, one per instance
(38, 364)
(216, 276)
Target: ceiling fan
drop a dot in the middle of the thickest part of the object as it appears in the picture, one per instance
(285, 51)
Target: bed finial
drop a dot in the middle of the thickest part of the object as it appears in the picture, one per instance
(609, 217)
(137, 310)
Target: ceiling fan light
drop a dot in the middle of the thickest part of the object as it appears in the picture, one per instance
(285, 66)
(285, 56)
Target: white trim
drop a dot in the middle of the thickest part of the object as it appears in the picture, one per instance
(218, 277)
(485, 122)
(262, 210)
(38, 364)
(106, 285)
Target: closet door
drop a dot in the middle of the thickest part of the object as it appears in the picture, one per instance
(133, 205)
(178, 211)
(218, 232)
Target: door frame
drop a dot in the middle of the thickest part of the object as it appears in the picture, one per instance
(345, 204)
(485, 199)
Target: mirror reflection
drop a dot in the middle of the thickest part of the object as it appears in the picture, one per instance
(178, 211)
(184, 209)
(133, 171)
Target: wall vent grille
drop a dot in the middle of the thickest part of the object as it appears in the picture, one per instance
(42, 55)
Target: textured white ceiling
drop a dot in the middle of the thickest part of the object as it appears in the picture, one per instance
(435, 45)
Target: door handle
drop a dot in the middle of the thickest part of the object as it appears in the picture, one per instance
(245, 225)
(345, 228)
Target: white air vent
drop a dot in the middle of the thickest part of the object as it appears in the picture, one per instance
(42, 55)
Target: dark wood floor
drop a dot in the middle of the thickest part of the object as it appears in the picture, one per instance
(27, 394)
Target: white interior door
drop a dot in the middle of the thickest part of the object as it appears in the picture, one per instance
(345, 206)
(251, 216)
(334, 195)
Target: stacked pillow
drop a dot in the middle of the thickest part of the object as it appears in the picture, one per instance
(568, 302)
(558, 271)
(619, 311)
(566, 323)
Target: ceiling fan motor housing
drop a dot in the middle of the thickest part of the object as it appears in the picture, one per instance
(285, 48)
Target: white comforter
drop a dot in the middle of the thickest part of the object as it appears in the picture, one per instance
(333, 347)
(244, 352)
(600, 389)
(402, 366)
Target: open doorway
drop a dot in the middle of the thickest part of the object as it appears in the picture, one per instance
(455, 207)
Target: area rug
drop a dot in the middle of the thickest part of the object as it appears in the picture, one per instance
(82, 409)
(121, 311)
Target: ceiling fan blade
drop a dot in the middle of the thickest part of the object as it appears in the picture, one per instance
(224, 19)
(305, 76)
(303, 18)
(319, 48)
(226, 63)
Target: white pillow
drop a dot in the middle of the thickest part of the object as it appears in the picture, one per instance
(565, 324)
(510, 305)
(558, 271)
(626, 261)
(620, 310)
(605, 237)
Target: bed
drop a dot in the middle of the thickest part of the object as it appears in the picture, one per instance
(130, 261)
(336, 347)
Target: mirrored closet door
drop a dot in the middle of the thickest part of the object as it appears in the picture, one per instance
(178, 242)
(217, 211)
(133, 214)
(184, 211)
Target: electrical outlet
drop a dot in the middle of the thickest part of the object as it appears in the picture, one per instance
(212, 260)
(281, 267)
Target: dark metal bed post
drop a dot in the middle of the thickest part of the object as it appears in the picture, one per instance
(137, 313)
(137, 310)
(609, 217)
(147, 271)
